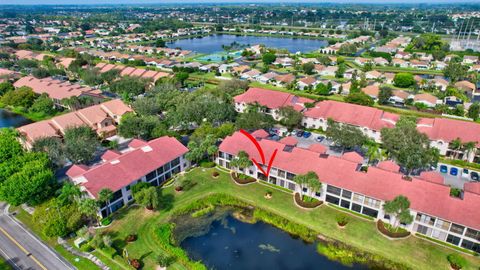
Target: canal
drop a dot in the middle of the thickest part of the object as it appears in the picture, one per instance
(10, 119)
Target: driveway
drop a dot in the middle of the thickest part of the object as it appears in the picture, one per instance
(22, 249)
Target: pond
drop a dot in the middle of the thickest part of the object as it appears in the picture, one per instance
(213, 43)
(231, 244)
(10, 119)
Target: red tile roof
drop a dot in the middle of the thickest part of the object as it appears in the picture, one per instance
(271, 99)
(132, 165)
(318, 148)
(261, 133)
(289, 141)
(388, 165)
(426, 197)
(448, 130)
(353, 114)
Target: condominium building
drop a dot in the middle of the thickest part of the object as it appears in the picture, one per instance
(347, 184)
(153, 162)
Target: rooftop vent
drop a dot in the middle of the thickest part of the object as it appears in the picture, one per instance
(288, 148)
(146, 148)
(115, 161)
(323, 155)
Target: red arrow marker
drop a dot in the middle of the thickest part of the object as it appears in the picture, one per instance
(262, 155)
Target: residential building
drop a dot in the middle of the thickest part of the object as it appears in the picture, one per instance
(270, 100)
(154, 162)
(59, 90)
(344, 184)
(102, 118)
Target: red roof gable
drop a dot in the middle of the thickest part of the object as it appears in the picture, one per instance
(271, 99)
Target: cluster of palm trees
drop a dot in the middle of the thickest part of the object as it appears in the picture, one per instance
(242, 161)
(308, 181)
(457, 146)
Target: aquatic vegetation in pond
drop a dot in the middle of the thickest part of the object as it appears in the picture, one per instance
(268, 247)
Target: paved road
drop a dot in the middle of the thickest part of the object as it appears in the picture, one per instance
(23, 250)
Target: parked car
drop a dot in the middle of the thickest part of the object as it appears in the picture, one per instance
(453, 171)
(474, 176)
(465, 173)
(443, 169)
(307, 134)
(320, 138)
(300, 133)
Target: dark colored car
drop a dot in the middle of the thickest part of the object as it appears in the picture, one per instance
(453, 171)
(474, 176)
(320, 138)
(307, 134)
(443, 169)
(300, 133)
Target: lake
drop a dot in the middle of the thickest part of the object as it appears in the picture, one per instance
(232, 244)
(213, 43)
(9, 119)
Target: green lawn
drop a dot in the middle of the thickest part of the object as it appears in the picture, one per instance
(359, 233)
(4, 265)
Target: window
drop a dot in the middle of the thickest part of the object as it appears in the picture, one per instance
(370, 212)
(317, 194)
(304, 189)
(422, 229)
(437, 234)
(358, 198)
(457, 228)
(473, 234)
(332, 199)
(453, 239)
(151, 176)
(425, 219)
(175, 162)
(442, 224)
(291, 186)
(221, 154)
(160, 170)
(166, 167)
(290, 176)
(356, 207)
(346, 194)
(334, 190)
(345, 204)
(281, 173)
(471, 245)
(372, 202)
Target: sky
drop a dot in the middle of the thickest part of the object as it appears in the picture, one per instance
(90, 2)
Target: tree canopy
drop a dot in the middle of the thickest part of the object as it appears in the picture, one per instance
(408, 147)
(345, 136)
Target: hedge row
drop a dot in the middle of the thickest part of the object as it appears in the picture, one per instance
(385, 231)
(302, 203)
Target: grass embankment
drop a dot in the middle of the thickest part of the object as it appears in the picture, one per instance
(361, 234)
(4, 265)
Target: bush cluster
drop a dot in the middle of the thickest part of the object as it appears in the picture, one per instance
(399, 234)
(304, 204)
(243, 179)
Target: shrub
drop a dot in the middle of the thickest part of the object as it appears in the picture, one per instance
(456, 261)
(342, 220)
(215, 174)
(307, 204)
(86, 248)
(455, 192)
(106, 221)
(243, 179)
(135, 263)
(165, 260)
(131, 238)
(203, 211)
(207, 164)
(387, 230)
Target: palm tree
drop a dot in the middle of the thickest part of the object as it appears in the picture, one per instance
(398, 208)
(104, 196)
(242, 161)
(468, 148)
(69, 193)
(455, 145)
(89, 207)
(307, 181)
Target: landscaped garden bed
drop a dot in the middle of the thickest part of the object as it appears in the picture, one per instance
(242, 179)
(306, 202)
(391, 231)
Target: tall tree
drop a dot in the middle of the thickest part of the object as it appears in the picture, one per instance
(345, 136)
(242, 161)
(309, 181)
(148, 197)
(81, 143)
(408, 147)
(399, 211)
(290, 117)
